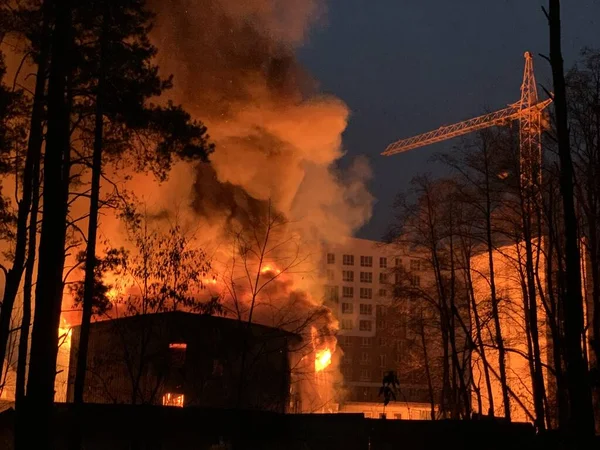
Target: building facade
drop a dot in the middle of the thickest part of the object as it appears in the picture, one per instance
(185, 359)
(374, 334)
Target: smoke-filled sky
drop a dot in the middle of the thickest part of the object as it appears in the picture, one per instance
(405, 67)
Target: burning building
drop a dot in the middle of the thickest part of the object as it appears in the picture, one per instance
(184, 359)
(277, 147)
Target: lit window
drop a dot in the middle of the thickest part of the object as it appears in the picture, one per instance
(347, 291)
(330, 258)
(366, 293)
(366, 310)
(347, 275)
(366, 261)
(170, 399)
(366, 277)
(178, 345)
(347, 324)
(348, 260)
(383, 263)
(177, 352)
(365, 342)
(365, 325)
(347, 308)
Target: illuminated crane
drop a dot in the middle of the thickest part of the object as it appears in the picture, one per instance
(528, 111)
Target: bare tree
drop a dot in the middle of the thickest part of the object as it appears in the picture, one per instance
(429, 228)
(580, 401)
(256, 285)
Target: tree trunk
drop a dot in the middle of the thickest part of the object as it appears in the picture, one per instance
(427, 370)
(48, 295)
(479, 345)
(581, 410)
(531, 317)
(90, 257)
(495, 310)
(27, 291)
(20, 423)
(34, 145)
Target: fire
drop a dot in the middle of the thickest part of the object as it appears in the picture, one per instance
(322, 359)
(112, 294)
(267, 269)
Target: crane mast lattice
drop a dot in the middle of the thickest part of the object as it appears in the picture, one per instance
(528, 111)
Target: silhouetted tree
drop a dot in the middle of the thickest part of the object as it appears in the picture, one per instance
(580, 401)
(120, 81)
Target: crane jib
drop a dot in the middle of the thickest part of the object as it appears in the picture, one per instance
(501, 117)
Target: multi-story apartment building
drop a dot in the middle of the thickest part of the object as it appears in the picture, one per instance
(373, 335)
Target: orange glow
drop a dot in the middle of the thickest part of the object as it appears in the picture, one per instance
(170, 399)
(112, 294)
(322, 359)
(178, 345)
(268, 268)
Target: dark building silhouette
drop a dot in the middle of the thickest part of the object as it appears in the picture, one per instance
(186, 359)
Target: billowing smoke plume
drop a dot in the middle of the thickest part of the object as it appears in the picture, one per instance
(277, 144)
(235, 69)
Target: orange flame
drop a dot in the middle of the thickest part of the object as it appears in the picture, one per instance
(267, 268)
(322, 359)
(112, 294)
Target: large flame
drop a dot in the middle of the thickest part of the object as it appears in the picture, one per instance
(322, 359)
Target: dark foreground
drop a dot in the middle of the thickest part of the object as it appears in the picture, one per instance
(158, 428)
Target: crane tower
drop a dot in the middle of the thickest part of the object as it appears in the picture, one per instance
(528, 111)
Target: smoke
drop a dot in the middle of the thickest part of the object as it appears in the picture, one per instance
(277, 140)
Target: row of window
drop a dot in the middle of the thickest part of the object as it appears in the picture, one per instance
(332, 293)
(366, 342)
(363, 325)
(367, 261)
(365, 358)
(365, 309)
(367, 277)
(365, 293)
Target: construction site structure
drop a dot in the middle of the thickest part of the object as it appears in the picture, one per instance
(528, 111)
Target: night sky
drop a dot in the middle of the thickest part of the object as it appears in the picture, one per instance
(408, 66)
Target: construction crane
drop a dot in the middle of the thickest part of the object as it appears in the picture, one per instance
(528, 111)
